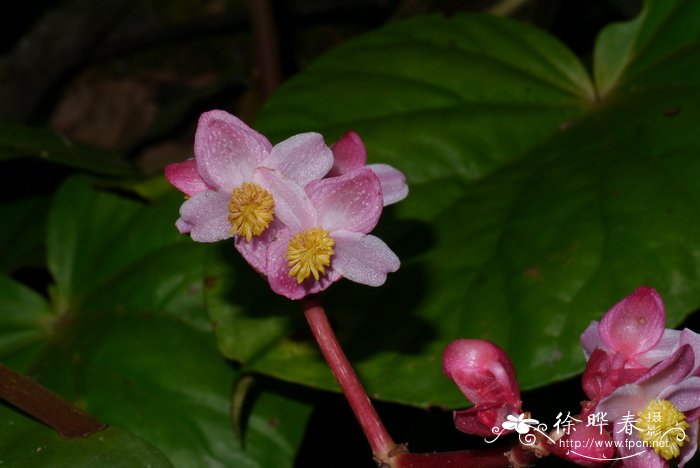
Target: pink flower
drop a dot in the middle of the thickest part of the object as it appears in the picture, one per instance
(629, 340)
(485, 375)
(229, 195)
(326, 234)
(655, 419)
(349, 153)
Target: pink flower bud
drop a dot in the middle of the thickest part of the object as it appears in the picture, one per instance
(606, 372)
(485, 375)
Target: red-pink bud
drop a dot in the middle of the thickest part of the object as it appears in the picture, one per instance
(485, 375)
(605, 372)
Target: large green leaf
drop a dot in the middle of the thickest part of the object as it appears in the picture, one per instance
(130, 340)
(25, 442)
(25, 324)
(659, 48)
(533, 208)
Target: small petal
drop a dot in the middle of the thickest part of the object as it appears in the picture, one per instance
(207, 216)
(590, 339)
(668, 343)
(183, 226)
(292, 206)
(183, 176)
(635, 324)
(669, 372)
(630, 448)
(227, 150)
(691, 446)
(393, 182)
(351, 202)
(349, 153)
(362, 258)
(628, 398)
(301, 158)
(255, 251)
(692, 339)
(685, 395)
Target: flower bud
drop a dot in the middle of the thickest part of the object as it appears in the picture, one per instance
(485, 375)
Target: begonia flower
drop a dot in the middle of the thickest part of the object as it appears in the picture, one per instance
(655, 419)
(349, 153)
(629, 339)
(325, 234)
(485, 375)
(228, 195)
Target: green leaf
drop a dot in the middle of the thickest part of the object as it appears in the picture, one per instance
(25, 442)
(25, 324)
(131, 341)
(532, 209)
(18, 141)
(658, 48)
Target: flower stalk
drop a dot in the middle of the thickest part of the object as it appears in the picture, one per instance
(383, 446)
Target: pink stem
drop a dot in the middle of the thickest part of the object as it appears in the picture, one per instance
(379, 439)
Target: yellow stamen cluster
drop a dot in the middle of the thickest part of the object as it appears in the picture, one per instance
(662, 426)
(250, 210)
(309, 253)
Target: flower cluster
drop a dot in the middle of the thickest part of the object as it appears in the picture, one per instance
(645, 380)
(642, 381)
(299, 212)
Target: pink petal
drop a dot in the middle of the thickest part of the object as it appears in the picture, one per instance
(628, 398)
(292, 206)
(590, 339)
(301, 158)
(362, 258)
(183, 226)
(691, 446)
(227, 150)
(255, 251)
(206, 216)
(685, 395)
(669, 372)
(278, 272)
(393, 182)
(348, 153)
(636, 457)
(183, 176)
(691, 338)
(668, 343)
(351, 202)
(635, 324)
(482, 371)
